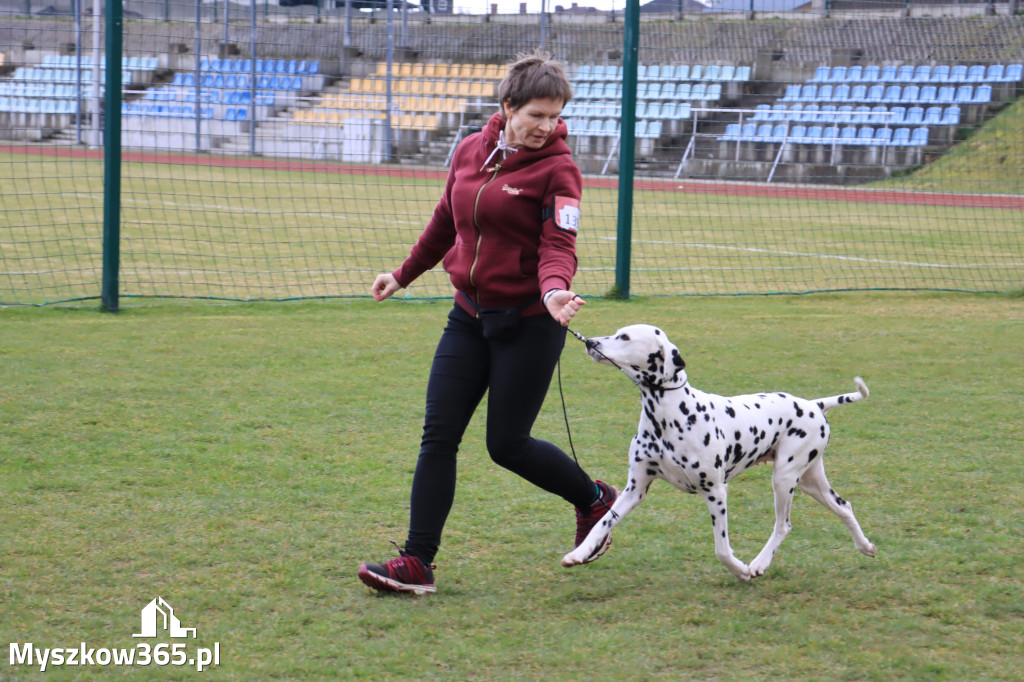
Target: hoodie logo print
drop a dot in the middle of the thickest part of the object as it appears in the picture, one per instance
(514, 191)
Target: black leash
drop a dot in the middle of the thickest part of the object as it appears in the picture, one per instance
(561, 394)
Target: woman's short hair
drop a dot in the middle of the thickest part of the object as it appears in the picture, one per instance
(533, 76)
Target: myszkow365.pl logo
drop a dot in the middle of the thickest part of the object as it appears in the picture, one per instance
(157, 615)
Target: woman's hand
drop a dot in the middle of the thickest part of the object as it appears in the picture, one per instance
(384, 286)
(563, 306)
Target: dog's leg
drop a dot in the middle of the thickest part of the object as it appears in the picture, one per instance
(815, 484)
(716, 499)
(636, 490)
(784, 481)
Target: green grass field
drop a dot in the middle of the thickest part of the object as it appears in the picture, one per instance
(240, 461)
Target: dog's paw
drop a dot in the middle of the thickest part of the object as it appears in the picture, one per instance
(869, 550)
(571, 559)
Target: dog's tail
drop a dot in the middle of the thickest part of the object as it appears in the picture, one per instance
(827, 404)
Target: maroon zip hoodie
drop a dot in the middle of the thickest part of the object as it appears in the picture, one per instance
(506, 228)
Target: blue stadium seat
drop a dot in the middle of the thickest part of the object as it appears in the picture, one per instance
(964, 94)
(824, 93)
(922, 74)
(813, 135)
(859, 93)
(860, 115)
(888, 74)
(732, 133)
(830, 134)
(779, 132)
(865, 135)
(696, 72)
(1014, 73)
(875, 93)
(882, 136)
(872, 73)
(914, 116)
(879, 115)
(821, 75)
(928, 95)
(778, 113)
(712, 72)
(809, 113)
(743, 73)
(699, 91)
(905, 73)
(933, 116)
(681, 72)
(896, 115)
(683, 91)
(940, 74)
(976, 73)
(947, 94)
(763, 111)
(837, 75)
(792, 94)
(797, 133)
(714, 92)
(844, 114)
(841, 93)
(748, 131)
(983, 94)
(827, 114)
(958, 74)
(892, 95)
(855, 74)
(995, 73)
(848, 135)
(900, 137)
(951, 116)
(911, 94)
(764, 132)
(728, 72)
(919, 137)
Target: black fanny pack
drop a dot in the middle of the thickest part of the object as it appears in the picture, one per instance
(500, 324)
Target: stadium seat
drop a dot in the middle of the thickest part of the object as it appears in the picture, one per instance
(933, 116)
(837, 75)
(964, 94)
(681, 72)
(792, 94)
(809, 113)
(919, 137)
(764, 132)
(995, 73)
(1013, 73)
(947, 95)
(882, 136)
(914, 116)
(821, 75)
(879, 115)
(855, 74)
(905, 74)
(728, 72)
(872, 73)
(696, 72)
(824, 93)
(983, 94)
(761, 113)
(858, 93)
(922, 74)
(797, 133)
(848, 135)
(865, 135)
(893, 95)
(951, 116)
(888, 74)
(896, 115)
(900, 137)
(732, 133)
(958, 74)
(698, 92)
(976, 73)
(940, 74)
(928, 94)
(841, 93)
(712, 72)
(875, 93)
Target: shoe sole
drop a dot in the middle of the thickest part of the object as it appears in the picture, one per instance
(382, 584)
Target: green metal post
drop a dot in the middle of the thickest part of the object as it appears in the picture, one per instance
(112, 160)
(627, 146)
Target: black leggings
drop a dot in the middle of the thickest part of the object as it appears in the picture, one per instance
(517, 375)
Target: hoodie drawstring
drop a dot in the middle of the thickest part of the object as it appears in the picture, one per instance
(502, 147)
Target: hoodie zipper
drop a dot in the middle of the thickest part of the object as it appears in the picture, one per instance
(476, 223)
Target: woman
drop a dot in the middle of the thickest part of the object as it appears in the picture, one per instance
(505, 228)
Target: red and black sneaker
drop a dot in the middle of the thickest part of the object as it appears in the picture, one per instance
(587, 518)
(404, 574)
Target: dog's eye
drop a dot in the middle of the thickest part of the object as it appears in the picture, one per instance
(623, 337)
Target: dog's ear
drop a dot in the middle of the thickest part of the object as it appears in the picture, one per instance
(677, 359)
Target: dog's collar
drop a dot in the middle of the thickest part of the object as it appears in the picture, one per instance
(660, 387)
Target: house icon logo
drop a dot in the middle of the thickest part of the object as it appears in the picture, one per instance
(151, 622)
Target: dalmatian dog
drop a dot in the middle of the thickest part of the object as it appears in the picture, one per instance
(698, 442)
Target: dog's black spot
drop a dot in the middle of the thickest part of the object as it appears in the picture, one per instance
(684, 408)
(814, 453)
(729, 411)
(738, 435)
(799, 433)
(718, 461)
(707, 439)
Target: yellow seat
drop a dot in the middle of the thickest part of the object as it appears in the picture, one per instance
(417, 70)
(382, 69)
(403, 70)
(334, 118)
(479, 71)
(482, 90)
(495, 72)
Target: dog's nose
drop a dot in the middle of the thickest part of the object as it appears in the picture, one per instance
(591, 344)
